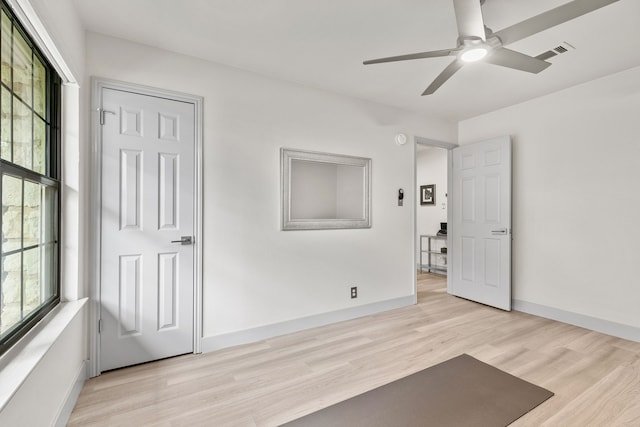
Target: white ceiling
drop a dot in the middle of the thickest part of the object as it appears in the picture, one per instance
(322, 43)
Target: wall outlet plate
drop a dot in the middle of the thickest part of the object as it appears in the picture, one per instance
(354, 292)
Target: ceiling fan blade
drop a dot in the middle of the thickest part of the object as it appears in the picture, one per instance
(549, 19)
(469, 18)
(443, 77)
(430, 54)
(519, 61)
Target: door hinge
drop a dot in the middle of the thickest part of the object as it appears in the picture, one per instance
(102, 112)
(99, 326)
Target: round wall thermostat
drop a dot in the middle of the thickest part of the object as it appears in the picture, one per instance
(401, 139)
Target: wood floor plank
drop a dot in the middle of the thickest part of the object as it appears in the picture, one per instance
(622, 388)
(596, 377)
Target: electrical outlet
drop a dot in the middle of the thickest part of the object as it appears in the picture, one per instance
(354, 292)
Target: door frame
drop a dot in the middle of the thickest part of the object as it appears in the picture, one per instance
(97, 85)
(449, 146)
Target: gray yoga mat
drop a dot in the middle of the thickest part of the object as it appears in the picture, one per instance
(462, 391)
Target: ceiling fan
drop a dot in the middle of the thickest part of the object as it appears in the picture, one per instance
(477, 42)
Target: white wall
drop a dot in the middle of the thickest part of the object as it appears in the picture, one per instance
(576, 159)
(326, 191)
(53, 380)
(47, 394)
(350, 195)
(431, 168)
(313, 190)
(254, 273)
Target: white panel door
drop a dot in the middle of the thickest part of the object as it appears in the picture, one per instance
(147, 278)
(480, 234)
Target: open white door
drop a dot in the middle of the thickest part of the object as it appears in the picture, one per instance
(480, 233)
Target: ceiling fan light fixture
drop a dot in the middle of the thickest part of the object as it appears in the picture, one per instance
(474, 54)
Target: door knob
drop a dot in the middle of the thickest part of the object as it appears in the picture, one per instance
(500, 232)
(184, 240)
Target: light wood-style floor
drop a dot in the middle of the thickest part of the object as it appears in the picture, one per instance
(596, 378)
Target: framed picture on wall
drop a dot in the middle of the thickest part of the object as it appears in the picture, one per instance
(428, 194)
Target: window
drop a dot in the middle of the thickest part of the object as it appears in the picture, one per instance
(29, 182)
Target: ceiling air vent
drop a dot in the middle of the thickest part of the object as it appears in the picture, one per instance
(561, 48)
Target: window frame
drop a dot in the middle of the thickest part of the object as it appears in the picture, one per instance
(51, 177)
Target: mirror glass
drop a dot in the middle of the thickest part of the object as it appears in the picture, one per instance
(324, 191)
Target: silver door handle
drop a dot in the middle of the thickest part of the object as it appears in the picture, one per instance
(184, 240)
(500, 232)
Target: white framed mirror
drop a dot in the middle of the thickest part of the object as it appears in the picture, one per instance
(324, 191)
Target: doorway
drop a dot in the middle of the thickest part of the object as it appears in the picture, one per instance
(147, 255)
(478, 236)
(432, 167)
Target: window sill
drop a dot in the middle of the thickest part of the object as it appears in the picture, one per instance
(19, 361)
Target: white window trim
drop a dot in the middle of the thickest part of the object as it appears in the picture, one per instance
(19, 361)
(36, 29)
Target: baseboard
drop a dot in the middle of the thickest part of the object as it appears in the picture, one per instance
(425, 268)
(269, 331)
(72, 396)
(593, 323)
